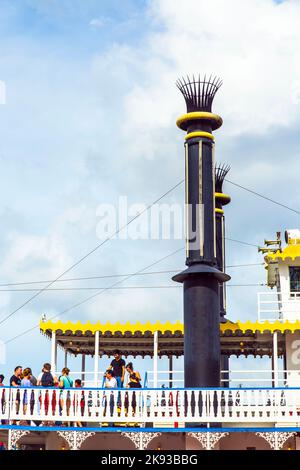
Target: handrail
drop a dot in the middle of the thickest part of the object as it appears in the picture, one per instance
(146, 380)
(154, 405)
(151, 388)
(276, 305)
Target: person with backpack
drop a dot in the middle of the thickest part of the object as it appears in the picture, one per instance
(45, 378)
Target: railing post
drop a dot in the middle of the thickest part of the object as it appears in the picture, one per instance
(275, 360)
(155, 358)
(96, 359)
(9, 420)
(53, 352)
(171, 371)
(83, 368)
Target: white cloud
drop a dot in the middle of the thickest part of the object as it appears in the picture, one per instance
(96, 23)
(104, 125)
(250, 44)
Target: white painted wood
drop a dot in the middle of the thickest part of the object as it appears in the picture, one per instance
(275, 358)
(276, 406)
(53, 352)
(96, 359)
(155, 359)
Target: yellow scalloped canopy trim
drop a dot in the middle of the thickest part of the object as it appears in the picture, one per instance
(168, 326)
(260, 327)
(112, 327)
(290, 251)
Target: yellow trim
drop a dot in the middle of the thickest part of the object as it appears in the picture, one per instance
(224, 197)
(111, 327)
(260, 327)
(219, 211)
(291, 252)
(191, 135)
(199, 116)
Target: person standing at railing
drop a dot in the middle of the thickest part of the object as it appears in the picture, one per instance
(47, 380)
(79, 401)
(33, 383)
(118, 367)
(65, 382)
(134, 378)
(26, 383)
(15, 381)
(110, 382)
(134, 381)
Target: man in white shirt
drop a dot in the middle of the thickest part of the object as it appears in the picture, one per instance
(110, 380)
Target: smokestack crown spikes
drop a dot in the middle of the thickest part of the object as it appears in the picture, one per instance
(220, 174)
(199, 94)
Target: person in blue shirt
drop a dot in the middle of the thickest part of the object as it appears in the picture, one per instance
(65, 382)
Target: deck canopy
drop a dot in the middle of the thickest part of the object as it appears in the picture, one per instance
(136, 339)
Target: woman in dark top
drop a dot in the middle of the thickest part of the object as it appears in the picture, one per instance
(134, 378)
(134, 381)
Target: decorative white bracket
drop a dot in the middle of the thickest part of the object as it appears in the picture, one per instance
(75, 439)
(14, 435)
(208, 440)
(276, 439)
(141, 440)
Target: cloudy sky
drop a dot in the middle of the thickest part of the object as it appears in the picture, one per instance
(90, 116)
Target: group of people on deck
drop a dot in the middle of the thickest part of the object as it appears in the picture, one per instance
(114, 376)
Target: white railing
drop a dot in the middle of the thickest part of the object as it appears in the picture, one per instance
(231, 378)
(276, 305)
(164, 378)
(260, 378)
(155, 406)
(88, 377)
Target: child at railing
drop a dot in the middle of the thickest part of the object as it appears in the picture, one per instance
(26, 383)
(79, 402)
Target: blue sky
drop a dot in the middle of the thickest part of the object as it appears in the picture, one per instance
(90, 115)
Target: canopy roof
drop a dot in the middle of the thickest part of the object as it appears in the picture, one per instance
(136, 339)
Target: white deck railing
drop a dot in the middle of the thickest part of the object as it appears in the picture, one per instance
(280, 405)
(276, 305)
(232, 378)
